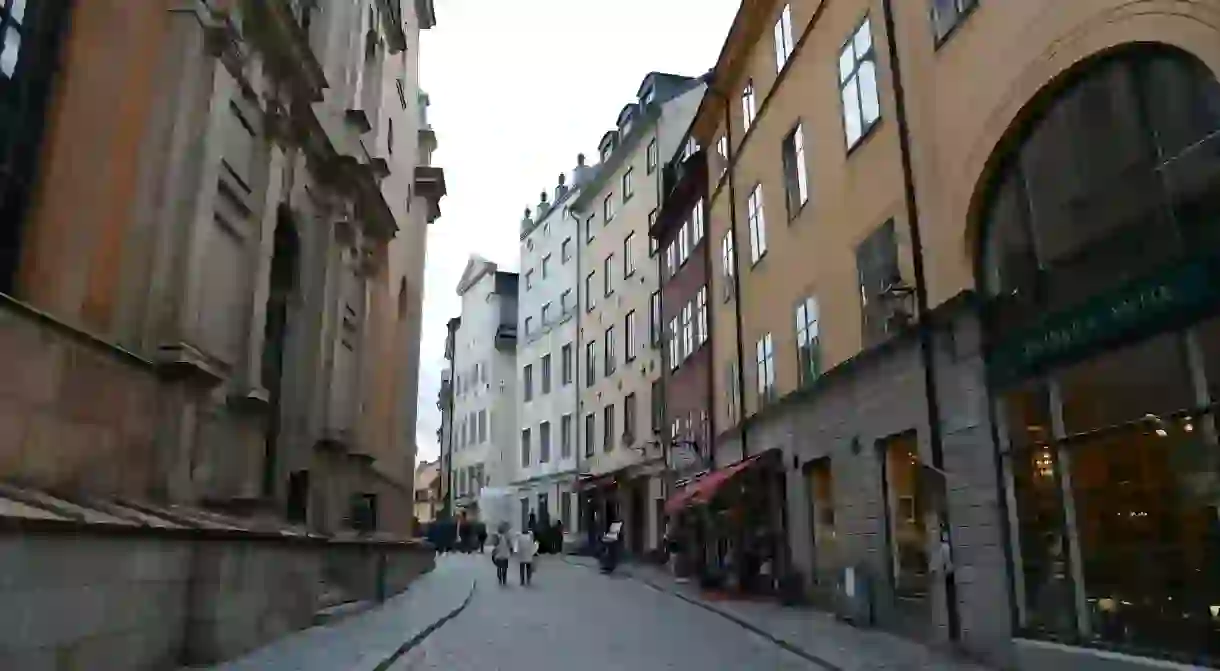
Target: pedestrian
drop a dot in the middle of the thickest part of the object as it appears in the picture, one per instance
(501, 550)
(526, 548)
(482, 536)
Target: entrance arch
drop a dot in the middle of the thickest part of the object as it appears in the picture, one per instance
(1098, 256)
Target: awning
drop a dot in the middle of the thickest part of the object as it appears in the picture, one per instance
(586, 481)
(702, 490)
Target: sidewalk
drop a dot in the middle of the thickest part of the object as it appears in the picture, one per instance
(369, 640)
(813, 634)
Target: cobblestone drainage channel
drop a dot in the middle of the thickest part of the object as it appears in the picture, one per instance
(741, 622)
(426, 632)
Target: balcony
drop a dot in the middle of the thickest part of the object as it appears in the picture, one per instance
(430, 184)
(283, 30)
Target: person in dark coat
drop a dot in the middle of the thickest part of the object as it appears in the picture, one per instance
(481, 532)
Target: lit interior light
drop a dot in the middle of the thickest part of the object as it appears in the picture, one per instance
(1215, 610)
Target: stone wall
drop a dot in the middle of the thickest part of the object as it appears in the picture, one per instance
(104, 585)
(76, 414)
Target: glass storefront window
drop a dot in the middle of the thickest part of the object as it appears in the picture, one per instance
(908, 529)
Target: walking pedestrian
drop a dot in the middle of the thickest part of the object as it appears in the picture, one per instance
(527, 547)
(482, 536)
(502, 549)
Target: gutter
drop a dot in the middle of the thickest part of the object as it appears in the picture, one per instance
(452, 422)
(577, 379)
(923, 326)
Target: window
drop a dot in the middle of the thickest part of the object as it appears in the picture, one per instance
(654, 319)
(589, 299)
(796, 181)
(565, 437)
(590, 363)
(565, 365)
(565, 250)
(758, 225)
(907, 527)
(565, 510)
(628, 256)
(653, 245)
(696, 224)
(629, 419)
(747, 106)
(728, 262)
(546, 314)
(628, 187)
(765, 354)
(807, 349)
(688, 329)
(482, 425)
(877, 267)
(651, 156)
(11, 19)
(608, 275)
(589, 233)
(527, 382)
(675, 344)
(947, 14)
(658, 406)
(529, 280)
(671, 258)
(630, 334)
(525, 448)
(590, 433)
(608, 352)
(783, 38)
(546, 266)
(608, 208)
(544, 442)
(722, 150)
(565, 302)
(732, 392)
(858, 84)
(683, 243)
(546, 374)
(608, 428)
(529, 325)
(701, 332)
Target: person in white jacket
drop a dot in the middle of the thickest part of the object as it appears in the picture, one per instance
(525, 550)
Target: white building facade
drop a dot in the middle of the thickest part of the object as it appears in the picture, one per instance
(545, 463)
(484, 419)
(621, 461)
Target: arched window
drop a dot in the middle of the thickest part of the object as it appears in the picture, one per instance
(1115, 173)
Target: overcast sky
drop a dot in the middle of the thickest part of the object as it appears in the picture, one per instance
(518, 89)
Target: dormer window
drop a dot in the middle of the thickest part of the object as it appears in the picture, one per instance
(626, 119)
(608, 144)
(649, 96)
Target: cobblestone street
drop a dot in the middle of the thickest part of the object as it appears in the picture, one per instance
(575, 618)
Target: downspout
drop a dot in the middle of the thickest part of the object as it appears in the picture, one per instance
(710, 386)
(662, 431)
(741, 370)
(452, 406)
(923, 324)
(578, 417)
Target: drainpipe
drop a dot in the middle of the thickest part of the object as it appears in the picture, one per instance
(452, 422)
(578, 415)
(741, 370)
(664, 439)
(923, 323)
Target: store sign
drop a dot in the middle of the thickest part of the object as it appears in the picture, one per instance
(1167, 300)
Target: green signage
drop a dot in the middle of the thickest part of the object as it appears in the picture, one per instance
(1169, 299)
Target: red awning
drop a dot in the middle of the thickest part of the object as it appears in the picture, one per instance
(702, 490)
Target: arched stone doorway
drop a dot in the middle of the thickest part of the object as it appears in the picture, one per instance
(1099, 259)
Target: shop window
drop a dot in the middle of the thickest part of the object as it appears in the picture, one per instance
(822, 520)
(908, 528)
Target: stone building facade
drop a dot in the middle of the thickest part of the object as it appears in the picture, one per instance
(240, 242)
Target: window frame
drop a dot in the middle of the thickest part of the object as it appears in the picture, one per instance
(527, 382)
(808, 365)
(756, 220)
(565, 437)
(853, 77)
(544, 442)
(590, 363)
(591, 299)
(628, 257)
(608, 208)
(544, 371)
(526, 440)
(795, 170)
(962, 9)
(781, 33)
(728, 265)
(608, 428)
(701, 317)
(764, 354)
(629, 336)
(608, 275)
(749, 108)
(628, 185)
(565, 250)
(609, 362)
(629, 418)
(651, 156)
(566, 367)
(590, 434)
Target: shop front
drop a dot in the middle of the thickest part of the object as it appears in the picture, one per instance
(729, 525)
(1100, 261)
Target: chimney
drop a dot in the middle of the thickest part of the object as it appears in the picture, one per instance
(543, 206)
(561, 188)
(527, 220)
(581, 172)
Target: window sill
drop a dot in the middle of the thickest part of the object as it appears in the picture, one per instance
(794, 215)
(761, 257)
(864, 137)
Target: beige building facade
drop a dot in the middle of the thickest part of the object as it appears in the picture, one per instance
(249, 244)
(618, 361)
(938, 227)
